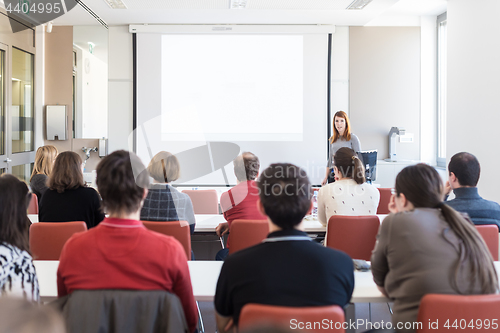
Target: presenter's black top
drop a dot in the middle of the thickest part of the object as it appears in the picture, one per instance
(81, 204)
(287, 269)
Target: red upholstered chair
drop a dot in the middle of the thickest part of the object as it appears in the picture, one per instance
(204, 201)
(246, 233)
(355, 235)
(48, 238)
(259, 314)
(479, 310)
(33, 206)
(490, 236)
(385, 198)
(177, 229)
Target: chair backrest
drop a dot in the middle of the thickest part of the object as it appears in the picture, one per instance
(260, 314)
(385, 198)
(246, 233)
(48, 238)
(355, 235)
(177, 229)
(204, 201)
(114, 311)
(490, 236)
(33, 206)
(480, 311)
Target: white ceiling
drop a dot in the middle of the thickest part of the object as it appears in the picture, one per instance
(378, 12)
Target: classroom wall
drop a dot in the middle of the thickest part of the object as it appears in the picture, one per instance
(59, 89)
(384, 90)
(120, 88)
(474, 86)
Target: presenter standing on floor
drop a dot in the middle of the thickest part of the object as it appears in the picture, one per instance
(342, 137)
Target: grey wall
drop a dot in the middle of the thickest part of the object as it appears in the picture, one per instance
(384, 74)
(474, 87)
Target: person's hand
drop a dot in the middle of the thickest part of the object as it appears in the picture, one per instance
(447, 188)
(323, 183)
(222, 229)
(392, 204)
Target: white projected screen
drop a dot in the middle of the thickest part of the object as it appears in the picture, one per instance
(207, 96)
(232, 87)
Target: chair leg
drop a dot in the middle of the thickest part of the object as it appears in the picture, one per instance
(201, 327)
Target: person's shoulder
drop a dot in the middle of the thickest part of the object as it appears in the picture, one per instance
(161, 239)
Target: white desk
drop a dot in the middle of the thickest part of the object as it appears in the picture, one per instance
(206, 223)
(204, 276)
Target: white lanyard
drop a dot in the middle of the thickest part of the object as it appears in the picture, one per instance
(287, 238)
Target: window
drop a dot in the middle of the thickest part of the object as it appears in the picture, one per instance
(441, 89)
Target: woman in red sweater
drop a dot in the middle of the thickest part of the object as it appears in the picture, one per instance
(120, 253)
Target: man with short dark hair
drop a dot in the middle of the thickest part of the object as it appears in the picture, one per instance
(120, 253)
(240, 202)
(464, 171)
(287, 268)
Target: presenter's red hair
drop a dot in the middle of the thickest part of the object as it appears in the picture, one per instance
(347, 132)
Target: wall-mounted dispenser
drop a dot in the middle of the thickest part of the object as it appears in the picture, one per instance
(103, 147)
(393, 135)
(56, 122)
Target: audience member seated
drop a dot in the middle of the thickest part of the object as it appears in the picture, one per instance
(67, 198)
(464, 170)
(120, 253)
(17, 273)
(44, 161)
(20, 316)
(287, 268)
(164, 202)
(349, 194)
(425, 247)
(240, 202)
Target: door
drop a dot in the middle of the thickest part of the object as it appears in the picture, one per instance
(17, 124)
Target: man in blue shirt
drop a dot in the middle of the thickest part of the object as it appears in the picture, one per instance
(464, 170)
(287, 268)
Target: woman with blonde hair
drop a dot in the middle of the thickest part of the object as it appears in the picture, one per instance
(342, 137)
(349, 194)
(44, 161)
(164, 202)
(427, 247)
(68, 199)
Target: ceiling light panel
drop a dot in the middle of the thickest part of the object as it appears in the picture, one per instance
(299, 4)
(358, 4)
(158, 5)
(116, 4)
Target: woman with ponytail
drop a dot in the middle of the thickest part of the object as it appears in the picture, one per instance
(427, 247)
(349, 194)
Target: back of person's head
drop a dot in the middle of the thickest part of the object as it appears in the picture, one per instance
(284, 191)
(347, 131)
(349, 164)
(164, 167)
(423, 187)
(246, 166)
(466, 168)
(14, 201)
(67, 172)
(44, 160)
(121, 181)
(20, 316)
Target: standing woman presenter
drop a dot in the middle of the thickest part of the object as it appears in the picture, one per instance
(342, 137)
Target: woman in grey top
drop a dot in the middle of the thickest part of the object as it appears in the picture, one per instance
(342, 137)
(427, 247)
(44, 161)
(164, 202)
